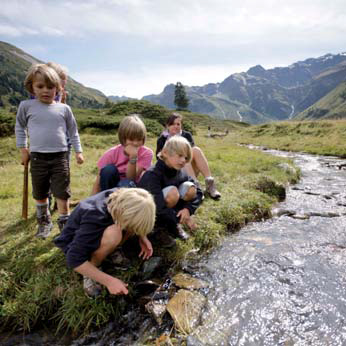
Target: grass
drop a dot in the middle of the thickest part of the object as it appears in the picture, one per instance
(325, 137)
(36, 287)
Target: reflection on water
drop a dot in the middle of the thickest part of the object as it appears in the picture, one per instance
(283, 281)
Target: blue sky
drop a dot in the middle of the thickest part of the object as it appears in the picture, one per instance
(136, 47)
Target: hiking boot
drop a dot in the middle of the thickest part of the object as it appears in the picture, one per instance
(211, 188)
(163, 239)
(62, 222)
(180, 232)
(91, 287)
(45, 226)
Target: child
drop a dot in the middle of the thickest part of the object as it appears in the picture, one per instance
(94, 230)
(199, 162)
(62, 73)
(47, 122)
(124, 164)
(175, 193)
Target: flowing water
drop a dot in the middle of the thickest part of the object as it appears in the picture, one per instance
(283, 281)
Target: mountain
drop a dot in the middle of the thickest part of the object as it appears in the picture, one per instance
(14, 64)
(331, 106)
(261, 95)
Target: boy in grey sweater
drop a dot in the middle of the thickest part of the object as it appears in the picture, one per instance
(47, 124)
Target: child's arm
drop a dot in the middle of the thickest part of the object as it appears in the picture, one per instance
(146, 248)
(132, 152)
(114, 285)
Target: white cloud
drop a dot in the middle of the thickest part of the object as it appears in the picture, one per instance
(152, 79)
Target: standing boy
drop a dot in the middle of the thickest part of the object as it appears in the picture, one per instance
(46, 123)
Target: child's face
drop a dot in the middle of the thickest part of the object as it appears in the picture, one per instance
(42, 91)
(176, 161)
(134, 142)
(175, 128)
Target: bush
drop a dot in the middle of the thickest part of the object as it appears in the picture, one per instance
(7, 124)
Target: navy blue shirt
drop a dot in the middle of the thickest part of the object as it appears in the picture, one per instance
(84, 229)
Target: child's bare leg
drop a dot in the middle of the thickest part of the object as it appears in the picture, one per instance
(200, 162)
(172, 197)
(111, 238)
(190, 171)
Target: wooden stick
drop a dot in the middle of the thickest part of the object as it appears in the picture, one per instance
(25, 192)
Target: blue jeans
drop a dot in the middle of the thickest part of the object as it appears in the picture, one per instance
(110, 177)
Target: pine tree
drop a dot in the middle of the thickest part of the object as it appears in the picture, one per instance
(180, 99)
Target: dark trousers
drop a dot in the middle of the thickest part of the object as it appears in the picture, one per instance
(110, 178)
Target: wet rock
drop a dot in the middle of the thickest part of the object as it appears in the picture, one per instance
(147, 286)
(119, 260)
(187, 281)
(324, 214)
(280, 212)
(157, 309)
(150, 266)
(192, 341)
(312, 193)
(185, 308)
(301, 216)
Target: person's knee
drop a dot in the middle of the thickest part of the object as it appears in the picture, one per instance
(190, 194)
(109, 177)
(172, 197)
(111, 238)
(108, 170)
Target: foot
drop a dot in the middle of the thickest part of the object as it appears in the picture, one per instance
(91, 287)
(211, 188)
(45, 226)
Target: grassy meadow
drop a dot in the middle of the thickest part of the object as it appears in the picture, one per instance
(36, 287)
(324, 137)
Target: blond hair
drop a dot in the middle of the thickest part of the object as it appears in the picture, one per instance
(50, 76)
(132, 128)
(134, 209)
(176, 145)
(59, 69)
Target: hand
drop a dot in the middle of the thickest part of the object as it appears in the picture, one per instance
(79, 158)
(146, 248)
(184, 215)
(191, 224)
(25, 156)
(116, 286)
(131, 151)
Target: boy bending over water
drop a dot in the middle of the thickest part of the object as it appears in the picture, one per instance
(98, 225)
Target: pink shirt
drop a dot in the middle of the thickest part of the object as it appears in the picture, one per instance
(117, 157)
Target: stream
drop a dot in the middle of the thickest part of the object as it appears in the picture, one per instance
(283, 281)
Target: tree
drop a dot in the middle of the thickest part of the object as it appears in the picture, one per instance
(180, 99)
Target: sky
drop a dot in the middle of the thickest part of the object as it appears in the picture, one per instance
(136, 47)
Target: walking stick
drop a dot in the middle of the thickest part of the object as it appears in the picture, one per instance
(25, 192)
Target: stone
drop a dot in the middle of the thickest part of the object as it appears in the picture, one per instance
(157, 309)
(186, 308)
(187, 281)
(150, 266)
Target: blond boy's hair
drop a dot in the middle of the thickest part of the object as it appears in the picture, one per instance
(132, 128)
(50, 77)
(59, 69)
(176, 145)
(134, 209)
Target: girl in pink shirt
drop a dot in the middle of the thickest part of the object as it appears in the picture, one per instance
(124, 164)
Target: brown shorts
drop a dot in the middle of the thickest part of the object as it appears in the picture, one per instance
(50, 172)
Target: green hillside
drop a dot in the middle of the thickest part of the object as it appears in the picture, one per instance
(331, 106)
(14, 65)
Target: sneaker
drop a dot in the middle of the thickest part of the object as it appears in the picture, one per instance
(91, 287)
(180, 232)
(45, 226)
(163, 239)
(211, 188)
